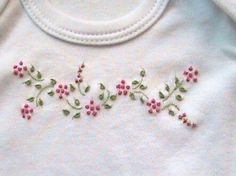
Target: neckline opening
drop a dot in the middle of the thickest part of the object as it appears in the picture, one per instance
(60, 25)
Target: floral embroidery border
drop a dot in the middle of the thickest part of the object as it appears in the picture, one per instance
(167, 101)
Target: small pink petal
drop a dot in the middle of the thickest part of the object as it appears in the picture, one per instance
(98, 108)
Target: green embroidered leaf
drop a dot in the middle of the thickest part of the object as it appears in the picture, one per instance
(77, 115)
(66, 112)
(171, 112)
(101, 96)
(167, 88)
(39, 75)
(182, 89)
(38, 86)
(132, 96)
(135, 82)
(31, 99)
(142, 87)
(51, 93)
(179, 97)
(32, 69)
(161, 95)
(28, 82)
(176, 80)
(72, 88)
(53, 82)
(77, 102)
(102, 87)
(107, 106)
(142, 100)
(40, 102)
(143, 73)
(87, 89)
(113, 97)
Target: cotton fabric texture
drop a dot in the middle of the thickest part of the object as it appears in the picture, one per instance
(116, 41)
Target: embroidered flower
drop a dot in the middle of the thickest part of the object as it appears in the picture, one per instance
(154, 106)
(185, 120)
(27, 111)
(169, 98)
(79, 78)
(92, 108)
(62, 91)
(191, 74)
(123, 88)
(20, 69)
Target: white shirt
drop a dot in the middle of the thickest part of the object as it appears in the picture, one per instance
(120, 43)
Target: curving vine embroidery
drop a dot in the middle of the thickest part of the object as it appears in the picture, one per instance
(167, 100)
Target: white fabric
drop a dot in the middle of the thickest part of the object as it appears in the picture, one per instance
(96, 10)
(126, 140)
(81, 31)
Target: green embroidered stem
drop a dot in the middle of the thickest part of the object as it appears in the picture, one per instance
(34, 77)
(73, 107)
(80, 91)
(169, 105)
(140, 92)
(140, 83)
(108, 97)
(41, 91)
(177, 86)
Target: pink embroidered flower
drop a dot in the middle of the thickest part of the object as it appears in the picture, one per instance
(79, 78)
(62, 91)
(92, 108)
(20, 69)
(27, 111)
(154, 106)
(186, 121)
(191, 74)
(123, 88)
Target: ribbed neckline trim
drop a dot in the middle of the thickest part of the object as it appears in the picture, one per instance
(67, 28)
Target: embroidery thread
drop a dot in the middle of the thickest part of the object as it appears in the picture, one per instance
(136, 90)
